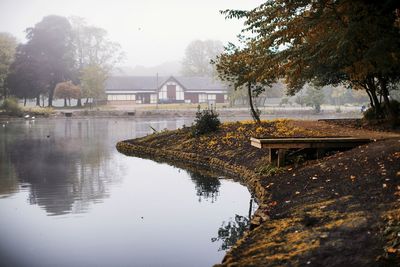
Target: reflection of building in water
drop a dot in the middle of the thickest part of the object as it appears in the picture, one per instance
(66, 166)
(207, 187)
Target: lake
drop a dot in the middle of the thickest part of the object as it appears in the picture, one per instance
(69, 198)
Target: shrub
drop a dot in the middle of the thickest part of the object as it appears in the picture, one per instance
(370, 113)
(39, 111)
(10, 105)
(206, 121)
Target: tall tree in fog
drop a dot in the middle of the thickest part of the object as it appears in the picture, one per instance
(50, 46)
(22, 80)
(95, 54)
(198, 56)
(93, 46)
(8, 44)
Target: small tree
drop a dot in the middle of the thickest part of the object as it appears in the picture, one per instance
(239, 67)
(314, 98)
(67, 90)
(93, 80)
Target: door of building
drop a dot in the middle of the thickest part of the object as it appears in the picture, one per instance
(171, 92)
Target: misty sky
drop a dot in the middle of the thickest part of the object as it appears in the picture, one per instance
(150, 31)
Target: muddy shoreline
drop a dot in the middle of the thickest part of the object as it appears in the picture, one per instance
(314, 231)
(241, 113)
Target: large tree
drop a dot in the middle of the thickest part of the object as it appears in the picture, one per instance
(22, 80)
(95, 53)
(198, 56)
(355, 42)
(8, 45)
(50, 46)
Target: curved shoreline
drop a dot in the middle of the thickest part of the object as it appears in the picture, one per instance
(320, 210)
(249, 178)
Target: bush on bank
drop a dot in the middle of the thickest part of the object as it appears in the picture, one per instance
(11, 107)
(206, 121)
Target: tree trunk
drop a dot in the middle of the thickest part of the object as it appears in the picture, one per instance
(79, 102)
(65, 102)
(24, 101)
(377, 105)
(391, 114)
(254, 113)
(371, 101)
(50, 103)
(38, 101)
(51, 93)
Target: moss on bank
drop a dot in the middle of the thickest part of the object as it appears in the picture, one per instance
(339, 211)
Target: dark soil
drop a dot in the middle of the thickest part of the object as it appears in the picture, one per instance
(343, 210)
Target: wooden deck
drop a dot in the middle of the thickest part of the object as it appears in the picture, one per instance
(278, 147)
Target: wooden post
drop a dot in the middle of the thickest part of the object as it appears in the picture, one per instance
(281, 157)
(273, 156)
(320, 153)
(277, 157)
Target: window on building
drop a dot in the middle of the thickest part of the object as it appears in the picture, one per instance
(211, 97)
(153, 98)
(179, 93)
(163, 93)
(202, 98)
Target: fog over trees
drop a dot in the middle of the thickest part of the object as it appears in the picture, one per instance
(59, 50)
(198, 57)
(8, 45)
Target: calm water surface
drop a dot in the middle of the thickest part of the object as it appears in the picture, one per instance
(68, 198)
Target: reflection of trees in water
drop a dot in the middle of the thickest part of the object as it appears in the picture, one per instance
(66, 165)
(8, 179)
(207, 187)
(231, 231)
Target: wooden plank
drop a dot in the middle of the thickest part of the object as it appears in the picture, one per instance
(312, 142)
(256, 143)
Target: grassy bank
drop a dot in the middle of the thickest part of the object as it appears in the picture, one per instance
(337, 211)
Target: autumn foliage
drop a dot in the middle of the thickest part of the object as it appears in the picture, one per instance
(355, 43)
(67, 90)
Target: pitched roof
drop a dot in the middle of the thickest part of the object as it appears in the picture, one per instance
(145, 83)
(200, 83)
(149, 83)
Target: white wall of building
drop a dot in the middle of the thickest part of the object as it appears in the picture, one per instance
(163, 91)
